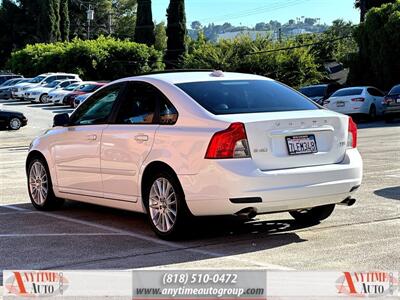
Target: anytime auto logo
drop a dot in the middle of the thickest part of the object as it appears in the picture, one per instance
(36, 283)
(367, 284)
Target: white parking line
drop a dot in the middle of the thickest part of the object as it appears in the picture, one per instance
(177, 246)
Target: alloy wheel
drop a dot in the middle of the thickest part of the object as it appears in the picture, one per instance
(38, 183)
(163, 205)
(15, 123)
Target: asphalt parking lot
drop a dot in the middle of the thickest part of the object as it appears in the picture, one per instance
(80, 236)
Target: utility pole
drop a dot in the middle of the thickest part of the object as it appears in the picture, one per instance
(90, 17)
(110, 23)
(280, 35)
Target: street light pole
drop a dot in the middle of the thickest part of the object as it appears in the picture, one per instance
(90, 17)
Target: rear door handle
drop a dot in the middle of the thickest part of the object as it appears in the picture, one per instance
(92, 137)
(141, 138)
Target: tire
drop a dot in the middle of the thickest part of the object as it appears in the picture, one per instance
(372, 112)
(14, 124)
(313, 215)
(40, 187)
(167, 217)
(43, 98)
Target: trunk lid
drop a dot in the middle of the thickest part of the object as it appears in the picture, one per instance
(269, 136)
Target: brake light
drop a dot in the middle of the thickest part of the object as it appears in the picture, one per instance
(358, 99)
(352, 137)
(388, 100)
(229, 143)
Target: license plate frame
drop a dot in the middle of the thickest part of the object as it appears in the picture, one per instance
(310, 149)
(340, 104)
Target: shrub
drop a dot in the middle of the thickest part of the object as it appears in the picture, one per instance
(101, 59)
(295, 67)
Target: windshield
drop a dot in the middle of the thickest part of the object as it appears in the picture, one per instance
(242, 96)
(37, 79)
(88, 88)
(52, 84)
(395, 90)
(9, 82)
(71, 87)
(313, 91)
(347, 92)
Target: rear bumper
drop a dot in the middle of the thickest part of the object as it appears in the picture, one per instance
(209, 192)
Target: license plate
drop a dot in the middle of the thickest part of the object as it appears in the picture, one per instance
(398, 100)
(301, 144)
(339, 104)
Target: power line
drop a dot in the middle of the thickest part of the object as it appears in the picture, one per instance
(299, 46)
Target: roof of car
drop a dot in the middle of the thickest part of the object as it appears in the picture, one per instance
(198, 76)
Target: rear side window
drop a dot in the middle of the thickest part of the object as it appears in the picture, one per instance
(241, 96)
(395, 90)
(348, 92)
(375, 92)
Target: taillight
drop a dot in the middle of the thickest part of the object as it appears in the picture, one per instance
(358, 99)
(229, 143)
(388, 100)
(352, 137)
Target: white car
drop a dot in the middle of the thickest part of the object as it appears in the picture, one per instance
(364, 100)
(56, 97)
(173, 145)
(18, 91)
(40, 93)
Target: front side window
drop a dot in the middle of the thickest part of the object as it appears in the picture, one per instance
(98, 108)
(139, 105)
(246, 96)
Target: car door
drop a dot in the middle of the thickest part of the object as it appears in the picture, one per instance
(77, 149)
(127, 142)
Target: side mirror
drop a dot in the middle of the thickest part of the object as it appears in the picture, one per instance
(61, 120)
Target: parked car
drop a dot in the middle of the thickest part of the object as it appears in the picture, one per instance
(320, 92)
(12, 120)
(364, 100)
(18, 91)
(5, 87)
(165, 138)
(81, 98)
(5, 77)
(84, 88)
(57, 97)
(391, 104)
(39, 94)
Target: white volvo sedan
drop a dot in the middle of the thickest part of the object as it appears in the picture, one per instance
(175, 145)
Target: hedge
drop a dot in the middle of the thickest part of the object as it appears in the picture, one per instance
(102, 59)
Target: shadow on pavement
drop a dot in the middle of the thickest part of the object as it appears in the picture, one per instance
(390, 193)
(15, 103)
(111, 238)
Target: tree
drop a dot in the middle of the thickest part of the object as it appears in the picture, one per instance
(378, 38)
(176, 33)
(366, 5)
(161, 37)
(196, 25)
(124, 18)
(144, 32)
(64, 20)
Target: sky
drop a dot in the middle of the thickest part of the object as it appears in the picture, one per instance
(250, 12)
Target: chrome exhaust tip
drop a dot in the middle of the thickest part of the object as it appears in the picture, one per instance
(349, 201)
(247, 213)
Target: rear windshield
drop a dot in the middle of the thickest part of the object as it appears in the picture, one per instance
(241, 96)
(88, 88)
(347, 92)
(313, 91)
(395, 90)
